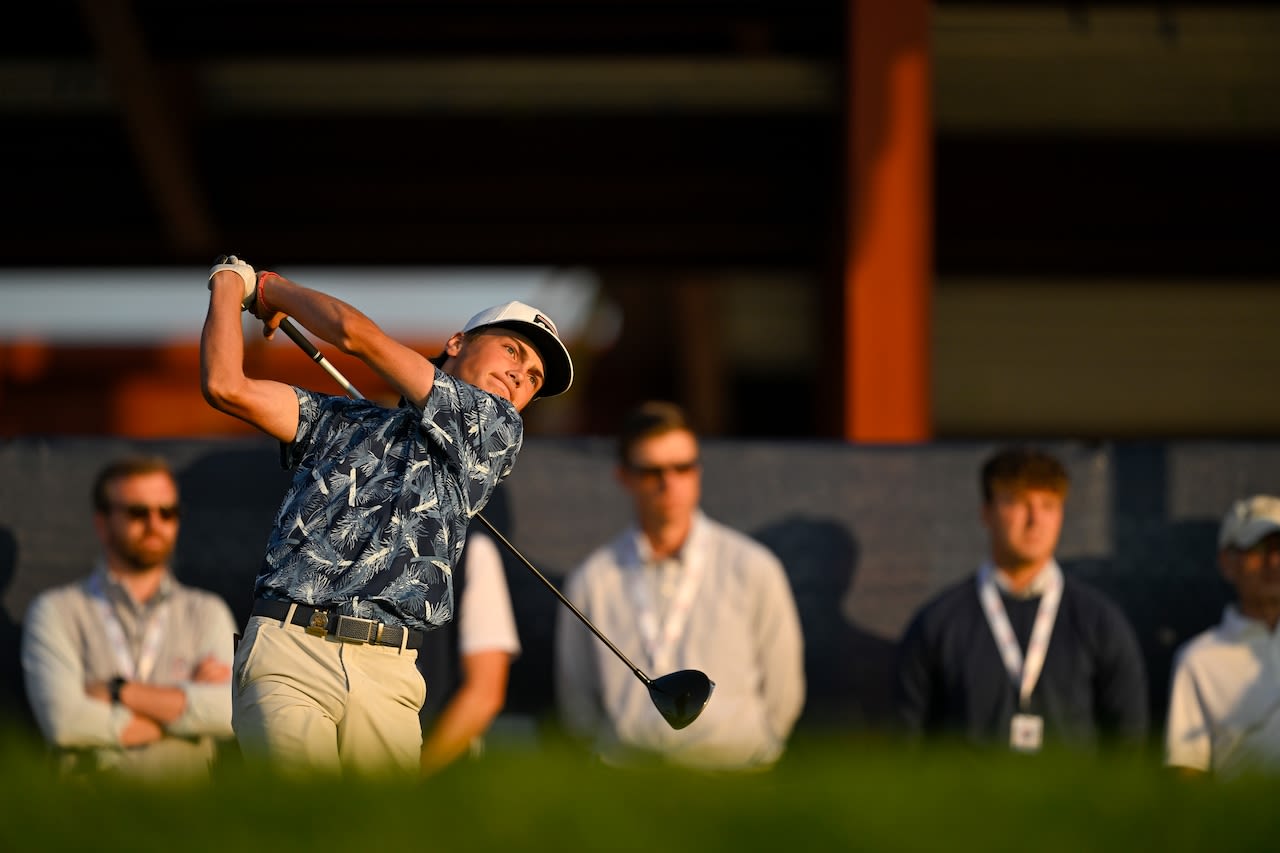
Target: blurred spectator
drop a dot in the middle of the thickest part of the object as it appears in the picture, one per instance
(1019, 653)
(687, 593)
(1224, 705)
(466, 669)
(128, 670)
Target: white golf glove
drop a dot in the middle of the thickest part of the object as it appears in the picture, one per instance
(231, 262)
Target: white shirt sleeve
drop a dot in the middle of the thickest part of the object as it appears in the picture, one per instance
(208, 710)
(780, 648)
(55, 680)
(1188, 741)
(577, 677)
(486, 621)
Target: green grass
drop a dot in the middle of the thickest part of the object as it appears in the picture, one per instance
(837, 793)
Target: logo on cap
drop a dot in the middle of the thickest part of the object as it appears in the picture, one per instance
(546, 324)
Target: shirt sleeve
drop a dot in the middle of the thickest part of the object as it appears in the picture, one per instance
(1187, 738)
(577, 680)
(913, 681)
(485, 618)
(781, 646)
(291, 452)
(1122, 679)
(55, 681)
(208, 708)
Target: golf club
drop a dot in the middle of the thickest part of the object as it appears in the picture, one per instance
(679, 696)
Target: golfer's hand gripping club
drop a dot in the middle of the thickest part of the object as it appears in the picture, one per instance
(230, 263)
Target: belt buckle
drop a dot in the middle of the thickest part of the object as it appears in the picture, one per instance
(319, 625)
(353, 629)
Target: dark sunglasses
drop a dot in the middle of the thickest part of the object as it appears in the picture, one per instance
(654, 472)
(140, 512)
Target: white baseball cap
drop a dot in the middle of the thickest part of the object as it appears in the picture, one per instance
(557, 367)
(1249, 521)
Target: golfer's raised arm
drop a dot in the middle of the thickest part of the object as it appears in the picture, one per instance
(268, 405)
(344, 326)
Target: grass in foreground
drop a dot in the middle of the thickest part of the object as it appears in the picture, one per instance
(828, 794)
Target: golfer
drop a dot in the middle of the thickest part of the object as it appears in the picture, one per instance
(358, 564)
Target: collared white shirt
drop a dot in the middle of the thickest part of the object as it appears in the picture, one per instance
(1224, 703)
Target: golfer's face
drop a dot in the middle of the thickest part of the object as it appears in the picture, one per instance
(664, 477)
(501, 362)
(140, 526)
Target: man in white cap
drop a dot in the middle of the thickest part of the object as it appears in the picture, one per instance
(359, 562)
(1224, 705)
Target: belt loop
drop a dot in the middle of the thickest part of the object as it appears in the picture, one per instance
(288, 617)
(404, 638)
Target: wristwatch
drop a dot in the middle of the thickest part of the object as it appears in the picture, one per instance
(113, 687)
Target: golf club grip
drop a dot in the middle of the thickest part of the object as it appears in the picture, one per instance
(318, 357)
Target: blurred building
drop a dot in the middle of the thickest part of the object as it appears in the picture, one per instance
(864, 220)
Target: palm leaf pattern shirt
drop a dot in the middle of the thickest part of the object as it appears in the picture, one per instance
(377, 511)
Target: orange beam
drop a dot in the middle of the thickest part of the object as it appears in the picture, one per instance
(888, 241)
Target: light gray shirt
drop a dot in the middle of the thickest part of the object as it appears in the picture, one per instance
(741, 628)
(67, 643)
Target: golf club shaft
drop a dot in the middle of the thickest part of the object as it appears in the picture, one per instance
(296, 335)
(563, 600)
(315, 355)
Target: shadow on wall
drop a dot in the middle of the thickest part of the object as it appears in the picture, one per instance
(848, 670)
(230, 498)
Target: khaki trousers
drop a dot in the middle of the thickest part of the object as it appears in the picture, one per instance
(303, 703)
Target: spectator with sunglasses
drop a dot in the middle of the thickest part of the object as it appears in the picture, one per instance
(678, 590)
(128, 671)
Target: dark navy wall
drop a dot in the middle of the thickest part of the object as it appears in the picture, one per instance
(867, 534)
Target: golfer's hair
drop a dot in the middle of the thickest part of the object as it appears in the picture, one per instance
(126, 466)
(1023, 468)
(650, 418)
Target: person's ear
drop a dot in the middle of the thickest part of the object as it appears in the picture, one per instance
(454, 346)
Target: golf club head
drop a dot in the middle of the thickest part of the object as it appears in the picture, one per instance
(681, 696)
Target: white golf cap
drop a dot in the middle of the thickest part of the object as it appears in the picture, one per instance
(557, 367)
(1249, 521)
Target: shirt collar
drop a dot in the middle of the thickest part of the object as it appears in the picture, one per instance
(643, 553)
(111, 585)
(1237, 626)
(1038, 584)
